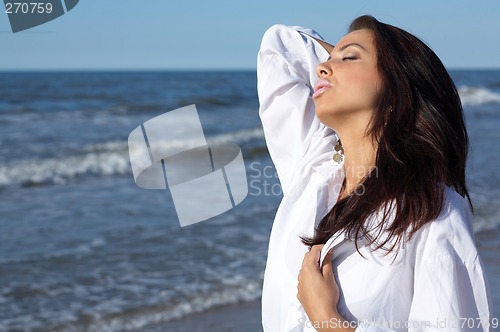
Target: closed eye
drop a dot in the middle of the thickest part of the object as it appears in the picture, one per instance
(349, 58)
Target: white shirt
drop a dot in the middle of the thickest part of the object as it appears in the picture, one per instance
(437, 281)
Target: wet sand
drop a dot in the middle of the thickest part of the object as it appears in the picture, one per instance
(242, 317)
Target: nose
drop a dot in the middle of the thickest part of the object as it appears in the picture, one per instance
(323, 69)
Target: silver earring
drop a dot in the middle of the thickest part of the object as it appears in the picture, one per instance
(338, 156)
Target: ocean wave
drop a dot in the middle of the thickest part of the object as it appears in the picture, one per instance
(118, 315)
(76, 252)
(486, 210)
(104, 159)
(476, 96)
(59, 171)
(136, 319)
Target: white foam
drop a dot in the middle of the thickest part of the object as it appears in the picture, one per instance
(486, 211)
(237, 137)
(249, 292)
(109, 315)
(84, 249)
(475, 96)
(60, 170)
(110, 158)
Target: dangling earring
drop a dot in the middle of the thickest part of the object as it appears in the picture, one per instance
(338, 156)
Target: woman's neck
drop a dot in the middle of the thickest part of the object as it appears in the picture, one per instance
(360, 152)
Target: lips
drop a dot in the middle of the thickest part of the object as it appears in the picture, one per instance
(321, 86)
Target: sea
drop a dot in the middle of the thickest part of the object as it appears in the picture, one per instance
(83, 248)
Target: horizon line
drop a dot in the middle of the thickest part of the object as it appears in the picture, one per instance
(42, 70)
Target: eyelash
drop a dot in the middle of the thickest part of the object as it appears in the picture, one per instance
(349, 58)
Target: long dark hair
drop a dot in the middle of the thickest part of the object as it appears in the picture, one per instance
(422, 145)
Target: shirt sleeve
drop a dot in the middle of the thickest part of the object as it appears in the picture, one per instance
(286, 74)
(451, 292)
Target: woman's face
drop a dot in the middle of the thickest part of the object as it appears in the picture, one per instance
(349, 83)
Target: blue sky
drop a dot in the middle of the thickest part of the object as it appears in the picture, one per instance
(223, 34)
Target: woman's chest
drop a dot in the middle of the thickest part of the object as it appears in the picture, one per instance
(372, 288)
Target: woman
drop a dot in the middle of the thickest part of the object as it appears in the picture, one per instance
(374, 232)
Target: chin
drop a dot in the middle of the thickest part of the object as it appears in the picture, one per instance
(320, 111)
(324, 118)
(320, 115)
(328, 117)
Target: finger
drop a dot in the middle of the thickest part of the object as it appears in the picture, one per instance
(315, 253)
(328, 256)
(317, 247)
(312, 255)
(326, 268)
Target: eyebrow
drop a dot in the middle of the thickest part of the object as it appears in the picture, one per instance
(348, 45)
(352, 44)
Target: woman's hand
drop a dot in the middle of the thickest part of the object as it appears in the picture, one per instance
(317, 289)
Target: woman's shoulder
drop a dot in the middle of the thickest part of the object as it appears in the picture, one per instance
(452, 232)
(456, 214)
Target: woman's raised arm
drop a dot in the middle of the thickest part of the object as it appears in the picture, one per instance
(286, 73)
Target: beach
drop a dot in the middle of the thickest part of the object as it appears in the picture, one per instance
(242, 317)
(83, 248)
